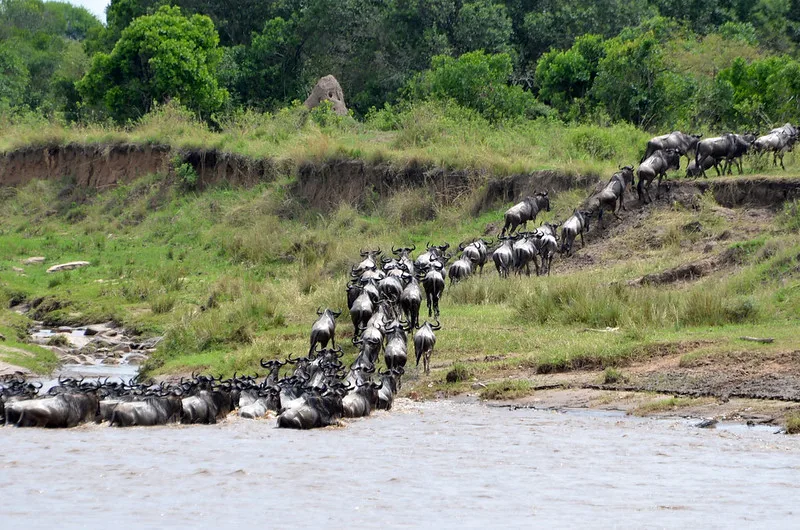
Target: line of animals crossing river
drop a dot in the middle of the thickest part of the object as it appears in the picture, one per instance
(384, 299)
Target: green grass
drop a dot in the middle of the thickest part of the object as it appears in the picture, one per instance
(793, 423)
(232, 275)
(504, 390)
(666, 405)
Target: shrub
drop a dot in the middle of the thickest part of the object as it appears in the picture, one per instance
(458, 373)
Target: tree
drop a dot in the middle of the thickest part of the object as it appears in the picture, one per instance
(482, 25)
(157, 58)
(629, 81)
(564, 76)
(477, 81)
(13, 77)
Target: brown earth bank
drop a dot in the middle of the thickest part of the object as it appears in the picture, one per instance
(743, 386)
(324, 185)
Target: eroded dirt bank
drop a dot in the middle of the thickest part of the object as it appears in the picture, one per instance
(325, 185)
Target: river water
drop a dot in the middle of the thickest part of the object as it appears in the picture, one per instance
(437, 464)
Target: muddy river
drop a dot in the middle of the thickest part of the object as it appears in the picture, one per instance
(438, 464)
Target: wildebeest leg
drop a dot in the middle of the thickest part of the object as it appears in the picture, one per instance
(782, 166)
(536, 264)
(658, 187)
(600, 216)
(583, 243)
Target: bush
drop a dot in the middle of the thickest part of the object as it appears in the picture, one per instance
(458, 373)
(477, 81)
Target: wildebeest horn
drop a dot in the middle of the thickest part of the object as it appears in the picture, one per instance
(396, 251)
(437, 326)
(319, 310)
(361, 251)
(337, 313)
(413, 247)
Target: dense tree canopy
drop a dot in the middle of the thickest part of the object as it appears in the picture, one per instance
(655, 63)
(157, 58)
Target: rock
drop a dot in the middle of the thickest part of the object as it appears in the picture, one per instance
(111, 333)
(64, 329)
(136, 359)
(150, 344)
(327, 88)
(18, 270)
(110, 360)
(121, 348)
(90, 331)
(36, 260)
(68, 266)
(2, 337)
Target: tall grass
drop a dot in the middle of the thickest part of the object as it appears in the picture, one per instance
(579, 301)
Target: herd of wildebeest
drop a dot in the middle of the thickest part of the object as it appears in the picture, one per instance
(384, 298)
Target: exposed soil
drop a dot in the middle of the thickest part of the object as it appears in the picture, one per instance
(325, 185)
(747, 386)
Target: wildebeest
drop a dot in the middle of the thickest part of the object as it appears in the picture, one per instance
(459, 270)
(777, 142)
(411, 300)
(207, 406)
(269, 398)
(371, 343)
(503, 256)
(681, 142)
(476, 252)
(432, 252)
(152, 410)
(62, 411)
(390, 384)
(523, 252)
(613, 195)
(656, 165)
(433, 283)
(360, 401)
(361, 312)
(424, 341)
(395, 353)
(729, 146)
(546, 246)
(518, 215)
(324, 329)
(693, 170)
(577, 224)
(318, 407)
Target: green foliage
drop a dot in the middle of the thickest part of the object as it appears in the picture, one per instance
(14, 77)
(157, 58)
(185, 172)
(476, 81)
(628, 83)
(482, 25)
(790, 216)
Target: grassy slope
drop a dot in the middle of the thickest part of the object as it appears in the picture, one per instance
(235, 275)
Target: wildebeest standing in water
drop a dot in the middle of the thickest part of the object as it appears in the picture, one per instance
(153, 410)
(62, 411)
(656, 165)
(518, 215)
